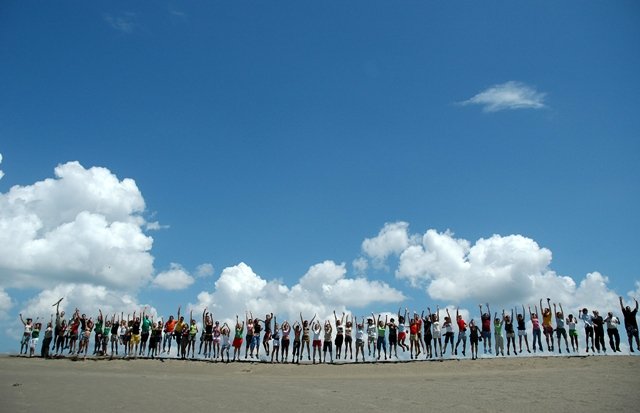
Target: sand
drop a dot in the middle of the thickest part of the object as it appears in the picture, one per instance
(551, 384)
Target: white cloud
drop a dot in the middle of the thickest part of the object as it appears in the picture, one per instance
(124, 23)
(176, 278)
(155, 226)
(83, 226)
(321, 290)
(509, 95)
(506, 270)
(204, 270)
(393, 238)
(360, 265)
(1, 173)
(5, 304)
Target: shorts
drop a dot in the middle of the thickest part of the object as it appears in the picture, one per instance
(285, 342)
(437, 334)
(573, 333)
(237, 342)
(393, 339)
(114, 338)
(511, 335)
(317, 343)
(359, 343)
(225, 346)
(371, 339)
(413, 337)
(547, 330)
(561, 332)
(208, 337)
(327, 345)
(339, 340)
(34, 342)
(348, 339)
(462, 334)
(255, 341)
(402, 336)
(267, 337)
(486, 334)
(276, 343)
(522, 333)
(145, 336)
(135, 338)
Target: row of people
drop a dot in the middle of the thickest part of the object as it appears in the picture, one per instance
(143, 336)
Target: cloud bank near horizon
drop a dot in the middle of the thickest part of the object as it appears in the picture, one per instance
(81, 235)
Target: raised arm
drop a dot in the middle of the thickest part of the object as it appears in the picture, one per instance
(204, 315)
(480, 311)
(489, 310)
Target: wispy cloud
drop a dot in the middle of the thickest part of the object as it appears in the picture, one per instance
(124, 23)
(507, 96)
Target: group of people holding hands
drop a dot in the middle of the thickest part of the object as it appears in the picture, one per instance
(417, 334)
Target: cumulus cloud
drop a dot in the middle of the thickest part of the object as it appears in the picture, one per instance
(175, 278)
(322, 289)
(393, 238)
(507, 270)
(509, 95)
(204, 270)
(124, 23)
(1, 173)
(5, 304)
(84, 225)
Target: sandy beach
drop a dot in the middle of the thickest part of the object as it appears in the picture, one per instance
(565, 384)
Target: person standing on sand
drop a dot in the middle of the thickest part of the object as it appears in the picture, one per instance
(237, 339)
(249, 337)
(225, 332)
(499, 340)
(317, 343)
(339, 334)
(169, 328)
(48, 336)
(573, 332)
(547, 328)
(485, 321)
(348, 338)
(508, 328)
(26, 335)
(372, 336)
(522, 331)
(612, 331)
(359, 338)
(393, 337)
(402, 330)
(537, 333)
(275, 340)
(381, 343)
(462, 334)
(115, 329)
(560, 329)
(631, 324)
(588, 329)
(327, 345)
(474, 337)
(286, 341)
(598, 331)
(428, 336)
(448, 332)
(436, 331)
(306, 326)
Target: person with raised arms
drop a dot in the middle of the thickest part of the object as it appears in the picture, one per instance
(237, 339)
(485, 332)
(536, 331)
(339, 334)
(522, 331)
(306, 326)
(547, 327)
(631, 324)
(561, 331)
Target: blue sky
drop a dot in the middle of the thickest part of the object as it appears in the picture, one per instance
(284, 135)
